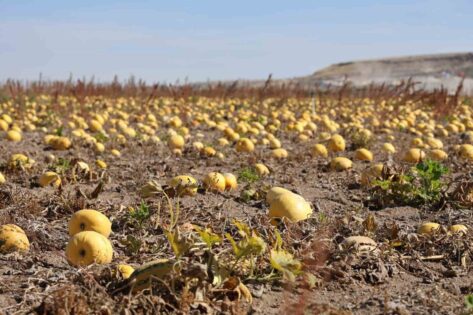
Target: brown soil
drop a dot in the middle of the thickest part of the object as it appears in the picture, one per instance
(42, 281)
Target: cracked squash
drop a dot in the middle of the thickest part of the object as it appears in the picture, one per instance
(89, 220)
(88, 247)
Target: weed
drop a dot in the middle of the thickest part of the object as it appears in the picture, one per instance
(248, 175)
(101, 137)
(140, 214)
(420, 185)
(61, 166)
(59, 131)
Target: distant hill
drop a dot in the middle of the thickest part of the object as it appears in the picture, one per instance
(429, 71)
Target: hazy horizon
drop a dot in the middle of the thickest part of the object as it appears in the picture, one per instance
(209, 40)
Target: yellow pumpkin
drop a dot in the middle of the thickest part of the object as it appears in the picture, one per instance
(50, 178)
(184, 185)
(230, 181)
(364, 155)
(290, 206)
(340, 164)
(60, 143)
(20, 160)
(99, 147)
(336, 143)
(319, 150)
(466, 151)
(176, 142)
(89, 220)
(115, 152)
(414, 155)
(3, 125)
(274, 143)
(275, 192)
(209, 151)
(88, 247)
(13, 238)
(198, 145)
(101, 164)
(13, 136)
(428, 228)
(388, 148)
(438, 155)
(215, 181)
(245, 145)
(279, 153)
(261, 169)
(458, 228)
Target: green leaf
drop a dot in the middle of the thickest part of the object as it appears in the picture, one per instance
(284, 262)
(252, 245)
(469, 302)
(207, 236)
(179, 245)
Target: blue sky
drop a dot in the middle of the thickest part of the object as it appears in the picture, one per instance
(161, 41)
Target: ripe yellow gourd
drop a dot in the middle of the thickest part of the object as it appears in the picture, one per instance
(209, 151)
(336, 143)
(434, 143)
(198, 145)
(245, 145)
(99, 147)
(101, 164)
(388, 148)
(223, 142)
(274, 192)
(3, 125)
(417, 142)
(274, 143)
(466, 151)
(50, 178)
(184, 185)
(428, 228)
(95, 126)
(13, 136)
(363, 154)
(261, 169)
(176, 142)
(279, 153)
(230, 181)
(414, 155)
(2, 178)
(438, 155)
(13, 238)
(458, 228)
(89, 220)
(88, 247)
(319, 150)
(340, 164)
(290, 206)
(60, 143)
(115, 152)
(215, 181)
(20, 160)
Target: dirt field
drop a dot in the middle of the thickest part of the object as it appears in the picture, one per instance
(407, 273)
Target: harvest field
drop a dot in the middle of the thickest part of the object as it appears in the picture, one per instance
(372, 214)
